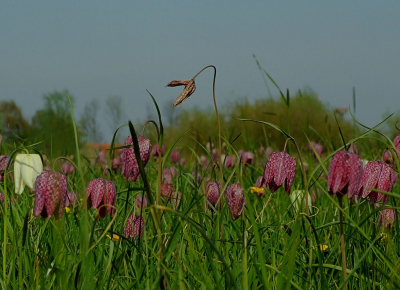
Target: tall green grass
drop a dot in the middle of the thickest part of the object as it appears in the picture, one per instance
(273, 245)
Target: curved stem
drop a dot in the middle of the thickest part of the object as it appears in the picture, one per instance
(155, 125)
(218, 121)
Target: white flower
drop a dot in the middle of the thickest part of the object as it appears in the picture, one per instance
(27, 168)
(297, 197)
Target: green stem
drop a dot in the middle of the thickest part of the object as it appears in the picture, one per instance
(342, 242)
(218, 121)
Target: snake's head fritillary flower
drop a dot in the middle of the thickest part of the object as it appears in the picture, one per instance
(344, 174)
(204, 161)
(50, 194)
(387, 154)
(235, 199)
(190, 87)
(279, 169)
(379, 175)
(212, 193)
(130, 167)
(3, 163)
(134, 227)
(298, 199)
(353, 148)
(169, 174)
(27, 168)
(71, 199)
(101, 192)
(315, 147)
(67, 168)
(386, 218)
(116, 164)
(171, 194)
(157, 152)
(175, 156)
(141, 201)
(227, 161)
(247, 158)
(101, 157)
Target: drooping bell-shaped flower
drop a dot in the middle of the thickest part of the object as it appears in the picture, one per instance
(134, 227)
(27, 168)
(379, 175)
(101, 192)
(315, 147)
(387, 154)
(235, 199)
(247, 158)
(50, 194)
(190, 87)
(141, 201)
(297, 197)
(171, 194)
(130, 167)
(212, 193)
(344, 174)
(279, 169)
(175, 156)
(157, 152)
(3, 163)
(386, 218)
(67, 168)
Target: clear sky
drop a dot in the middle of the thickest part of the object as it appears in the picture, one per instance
(97, 49)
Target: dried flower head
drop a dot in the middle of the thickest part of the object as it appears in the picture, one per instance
(189, 89)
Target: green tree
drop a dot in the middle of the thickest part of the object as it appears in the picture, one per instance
(13, 124)
(53, 126)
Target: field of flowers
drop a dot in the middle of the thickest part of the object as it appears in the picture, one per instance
(145, 215)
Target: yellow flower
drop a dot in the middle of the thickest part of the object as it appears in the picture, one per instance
(257, 190)
(323, 247)
(384, 236)
(115, 237)
(27, 168)
(67, 209)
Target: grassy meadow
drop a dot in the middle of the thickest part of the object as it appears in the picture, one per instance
(308, 239)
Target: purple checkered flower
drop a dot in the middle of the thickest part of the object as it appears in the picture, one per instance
(50, 194)
(130, 167)
(101, 192)
(235, 199)
(279, 169)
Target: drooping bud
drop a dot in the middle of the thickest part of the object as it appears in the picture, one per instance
(212, 193)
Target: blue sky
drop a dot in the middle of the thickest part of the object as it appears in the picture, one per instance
(97, 49)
